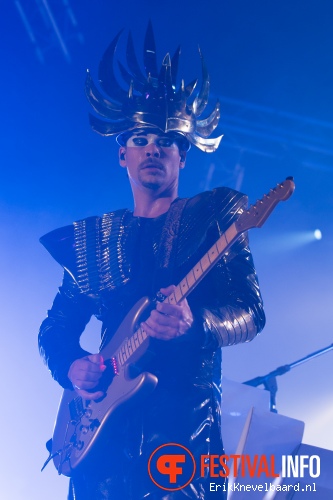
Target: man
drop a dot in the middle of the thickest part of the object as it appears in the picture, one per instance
(110, 262)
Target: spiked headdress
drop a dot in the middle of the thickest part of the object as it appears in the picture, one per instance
(151, 101)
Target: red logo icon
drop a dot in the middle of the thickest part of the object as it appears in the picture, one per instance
(171, 467)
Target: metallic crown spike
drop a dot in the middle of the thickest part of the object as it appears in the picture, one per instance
(149, 53)
(133, 62)
(174, 66)
(153, 101)
(102, 106)
(200, 102)
(165, 76)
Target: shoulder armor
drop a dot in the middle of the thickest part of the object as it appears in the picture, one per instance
(83, 249)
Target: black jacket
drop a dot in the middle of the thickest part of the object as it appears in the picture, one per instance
(109, 263)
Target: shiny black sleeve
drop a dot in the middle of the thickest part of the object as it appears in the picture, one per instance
(233, 311)
(228, 302)
(59, 334)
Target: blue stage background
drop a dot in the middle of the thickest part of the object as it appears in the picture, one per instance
(271, 66)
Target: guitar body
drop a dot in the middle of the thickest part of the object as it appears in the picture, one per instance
(81, 424)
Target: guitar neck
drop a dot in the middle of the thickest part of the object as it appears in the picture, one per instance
(205, 264)
(255, 216)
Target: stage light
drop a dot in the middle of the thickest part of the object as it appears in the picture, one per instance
(290, 240)
(317, 234)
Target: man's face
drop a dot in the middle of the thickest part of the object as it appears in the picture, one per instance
(153, 160)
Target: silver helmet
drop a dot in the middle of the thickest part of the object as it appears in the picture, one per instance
(151, 101)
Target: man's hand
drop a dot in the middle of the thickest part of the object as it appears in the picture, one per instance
(85, 374)
(168, 321)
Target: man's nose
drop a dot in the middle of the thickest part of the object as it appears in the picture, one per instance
(153, 150)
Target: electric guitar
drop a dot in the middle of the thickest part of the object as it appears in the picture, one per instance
(81, 424)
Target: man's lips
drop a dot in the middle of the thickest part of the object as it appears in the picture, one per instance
(151, 164)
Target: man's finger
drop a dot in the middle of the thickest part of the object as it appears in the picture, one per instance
(96, 359)
(169, 289)
(170, 309)
(156, 318)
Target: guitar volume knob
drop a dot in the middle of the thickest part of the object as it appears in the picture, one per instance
(79, 445)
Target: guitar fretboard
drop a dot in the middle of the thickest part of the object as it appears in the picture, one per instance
(199, 271)
(129, 347)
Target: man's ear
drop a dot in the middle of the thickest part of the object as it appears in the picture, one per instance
(122, 156)
(182, 155)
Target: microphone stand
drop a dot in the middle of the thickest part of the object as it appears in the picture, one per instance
(269, 380)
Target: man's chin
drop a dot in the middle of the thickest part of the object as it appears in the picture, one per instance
(154, 186)
(152, 181)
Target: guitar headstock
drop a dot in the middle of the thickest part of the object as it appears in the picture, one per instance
(258, 213)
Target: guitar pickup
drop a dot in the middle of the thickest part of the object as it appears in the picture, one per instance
(76, 409)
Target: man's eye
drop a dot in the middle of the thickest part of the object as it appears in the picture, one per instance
(140, 141)
(165, 142)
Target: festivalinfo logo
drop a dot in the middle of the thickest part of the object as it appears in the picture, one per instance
(172, 466)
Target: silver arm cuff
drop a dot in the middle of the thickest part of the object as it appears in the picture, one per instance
(231, 326)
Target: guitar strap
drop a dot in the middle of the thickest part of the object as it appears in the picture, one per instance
(167, 250)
